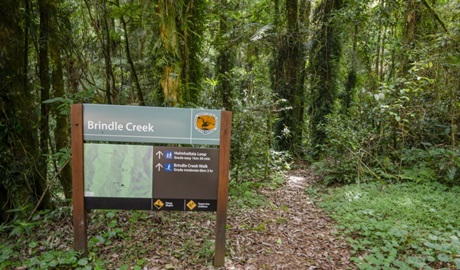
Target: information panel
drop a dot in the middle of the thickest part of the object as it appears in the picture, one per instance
(146, 177)
(185, 178)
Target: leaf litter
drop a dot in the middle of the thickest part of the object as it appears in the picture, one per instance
(288, 232)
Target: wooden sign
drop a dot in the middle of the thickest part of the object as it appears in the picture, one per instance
(149, 177)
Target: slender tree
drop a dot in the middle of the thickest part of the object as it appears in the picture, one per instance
(289, 79)
(61, 130)
(44, 71)
(135, 77)
(100, 17)
(191, 28)
(324, 68)
(170, 78)
(225, 57)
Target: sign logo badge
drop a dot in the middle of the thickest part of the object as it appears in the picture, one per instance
(206, 123)
(158, 204)
(191, 205)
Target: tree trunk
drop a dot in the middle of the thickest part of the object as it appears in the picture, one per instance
(290, 77)
(111, 93)
(43, 63)
(225, 58)
(170, 81)
(18, 137)
(140, 96)
(410, 33)
(101, 28)
(291, 43)
(61, 131)
(352, 77)
(324, 69)
(192, 28)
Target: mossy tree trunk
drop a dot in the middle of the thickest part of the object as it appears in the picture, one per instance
(191, 28)
(225, 58)
(171, 73)
(18, 137)
(289, 76)
(324, 69)
(61, 130)
(44, 128)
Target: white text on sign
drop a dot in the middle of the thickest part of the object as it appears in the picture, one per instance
(119, 127)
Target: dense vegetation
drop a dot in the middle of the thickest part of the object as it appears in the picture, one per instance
(402, 226)
(365, 90)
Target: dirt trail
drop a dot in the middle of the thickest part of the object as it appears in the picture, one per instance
(290, 233)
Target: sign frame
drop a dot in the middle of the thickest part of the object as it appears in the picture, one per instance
(80, 214)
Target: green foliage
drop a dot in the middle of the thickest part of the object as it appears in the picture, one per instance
(246, 194)
(62, 103)
(386, 139)
(56, 259)
(253, 157)
(433, 164)
(402, 124)
(5, 254)
(324, 67)
(22, 248)
(409, 225)
(348, 151)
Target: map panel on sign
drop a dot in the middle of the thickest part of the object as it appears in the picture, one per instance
(118, 171)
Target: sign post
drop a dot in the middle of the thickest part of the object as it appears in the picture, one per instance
(222, 193)
(80, 224)
(143, 176)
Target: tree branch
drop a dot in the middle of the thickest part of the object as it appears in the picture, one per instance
(435, 15)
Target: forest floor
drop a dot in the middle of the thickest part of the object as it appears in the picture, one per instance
(296, 233)
(288, 231)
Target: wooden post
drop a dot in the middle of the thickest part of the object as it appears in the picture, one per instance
(80, 224)
(222, 191)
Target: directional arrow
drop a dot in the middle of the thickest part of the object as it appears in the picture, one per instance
(159, 166)
(159, 154)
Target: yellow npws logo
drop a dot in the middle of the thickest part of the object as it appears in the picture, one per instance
(205, 123)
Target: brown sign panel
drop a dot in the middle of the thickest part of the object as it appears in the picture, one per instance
(185, 173)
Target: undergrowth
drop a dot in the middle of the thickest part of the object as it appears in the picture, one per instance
(113, 241)
(45, 241)
(400, 226)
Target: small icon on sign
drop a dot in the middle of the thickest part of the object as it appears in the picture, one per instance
(159, 166)
(206, 123)
(191, 205)
(158, 204)
(169, 167)
(169, 155)
(159, 154)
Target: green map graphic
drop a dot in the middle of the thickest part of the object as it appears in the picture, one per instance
(118, 171)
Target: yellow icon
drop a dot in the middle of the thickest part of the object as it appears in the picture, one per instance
(191, 205)
(206, 123)
(158, 204)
